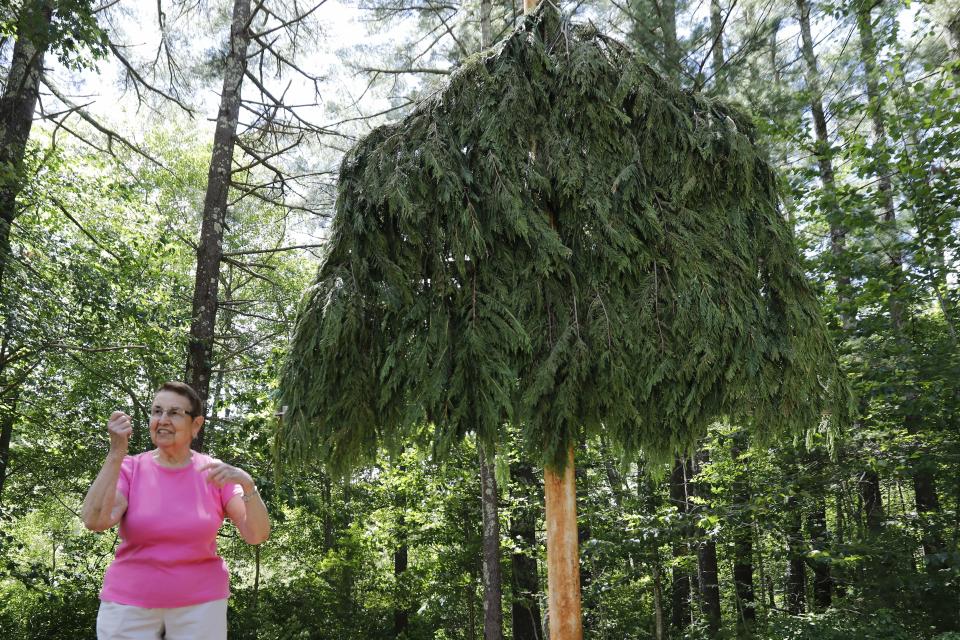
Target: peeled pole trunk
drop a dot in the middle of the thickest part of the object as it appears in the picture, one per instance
(563, 554)
(563, 548)
(210, 251)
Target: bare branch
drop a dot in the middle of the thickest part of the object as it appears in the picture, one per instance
(444, 72)
(291, 21)
(104, 7)
(278, 102)
(139, 81)
(373, 115)
(248, 270)
(255, 192)
(277, 250)
(93, 122)
(73, 347)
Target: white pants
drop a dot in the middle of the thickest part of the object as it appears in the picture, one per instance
(205, 621)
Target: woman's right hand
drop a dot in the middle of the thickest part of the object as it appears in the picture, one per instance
(119, 427)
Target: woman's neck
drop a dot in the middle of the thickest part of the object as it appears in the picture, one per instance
(173, 457)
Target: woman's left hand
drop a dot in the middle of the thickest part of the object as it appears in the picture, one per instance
(221, 473)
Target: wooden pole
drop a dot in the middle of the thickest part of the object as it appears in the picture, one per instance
(563, 554)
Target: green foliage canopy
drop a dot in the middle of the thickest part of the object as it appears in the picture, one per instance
(558, 239)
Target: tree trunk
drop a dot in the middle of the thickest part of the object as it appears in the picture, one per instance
(401, 616)
(716, 32)
(213, 403)
(796, 567)
(649, 495)
(869, 486)
(924, 478)
(707, 566)
(492, 577)
(824, 153)
(680, 591)
(796, 578)
(659, 629)
(774, 50)
(401, 610)
(563, 556)
(326, 491)
(526, 580)
(671, 46)
(743, 541)
(8, 415)
(486, 29)
(210, 250)
(471, 587)
(927, 503)
(584, 534)
(840, 537)
(766, 581)
(953, 39)
(819, 539)
(17, 104)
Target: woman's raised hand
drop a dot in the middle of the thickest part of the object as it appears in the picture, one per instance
(119, 427)
(221, 473)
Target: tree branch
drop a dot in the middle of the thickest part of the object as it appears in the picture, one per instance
(111, 134)
(139, 80)
(277, 250)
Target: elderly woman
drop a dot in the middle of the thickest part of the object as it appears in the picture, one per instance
(167, 579)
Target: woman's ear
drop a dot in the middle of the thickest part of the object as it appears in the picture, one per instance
(195, 427)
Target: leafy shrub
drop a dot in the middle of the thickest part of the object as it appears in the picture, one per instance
(839, 624)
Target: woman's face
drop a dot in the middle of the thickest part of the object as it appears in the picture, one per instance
(171, 425)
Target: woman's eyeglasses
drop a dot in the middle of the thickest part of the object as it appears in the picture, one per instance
(173, 413)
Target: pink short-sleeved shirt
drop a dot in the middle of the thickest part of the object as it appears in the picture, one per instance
(168, 554)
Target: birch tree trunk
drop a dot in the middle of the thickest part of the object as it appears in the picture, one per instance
(210, 249)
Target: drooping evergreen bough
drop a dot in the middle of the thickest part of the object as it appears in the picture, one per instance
(560, 240)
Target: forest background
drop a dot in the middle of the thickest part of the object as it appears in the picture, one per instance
(157, 157)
